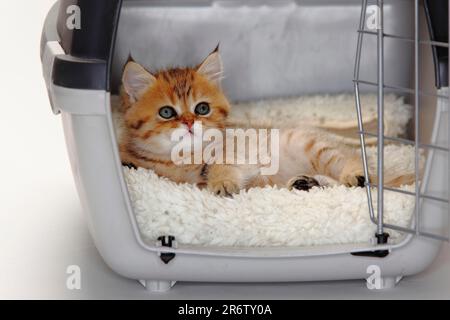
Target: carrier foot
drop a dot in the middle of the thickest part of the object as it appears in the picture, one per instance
(157, 285)
(386, 283)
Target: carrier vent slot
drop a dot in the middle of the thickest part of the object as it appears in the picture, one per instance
(373, 254)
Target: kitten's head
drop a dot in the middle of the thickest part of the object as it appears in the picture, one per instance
(157, 104)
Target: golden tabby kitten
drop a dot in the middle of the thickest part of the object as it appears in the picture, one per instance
(154, 105)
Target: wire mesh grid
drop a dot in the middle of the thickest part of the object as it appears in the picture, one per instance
(378, 217)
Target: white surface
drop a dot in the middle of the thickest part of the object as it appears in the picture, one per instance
(42, 228)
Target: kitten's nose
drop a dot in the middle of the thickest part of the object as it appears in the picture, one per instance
(189, 123)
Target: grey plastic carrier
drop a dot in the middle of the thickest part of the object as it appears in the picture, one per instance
(275, 48)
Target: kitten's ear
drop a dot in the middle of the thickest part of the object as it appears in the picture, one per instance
(212, 67)
(136, 80)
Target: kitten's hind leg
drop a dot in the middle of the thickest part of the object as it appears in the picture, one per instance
(305, 182)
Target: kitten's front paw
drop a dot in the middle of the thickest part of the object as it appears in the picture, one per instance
(303, 183)
(354, 180)
(224, 188)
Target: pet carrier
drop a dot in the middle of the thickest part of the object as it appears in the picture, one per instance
(271, 49)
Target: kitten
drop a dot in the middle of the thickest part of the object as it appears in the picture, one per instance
(155, 105)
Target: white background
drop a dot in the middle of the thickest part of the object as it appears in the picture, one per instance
(42, 227)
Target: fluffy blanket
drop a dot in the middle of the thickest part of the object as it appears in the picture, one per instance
(276, 216)
(265, 216)
(334, 113)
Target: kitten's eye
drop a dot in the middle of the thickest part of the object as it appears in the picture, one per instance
(202, 109)
(167, 112)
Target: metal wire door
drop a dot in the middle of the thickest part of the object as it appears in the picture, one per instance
(378, 218)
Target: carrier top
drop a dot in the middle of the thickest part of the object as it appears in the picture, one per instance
(86, 30)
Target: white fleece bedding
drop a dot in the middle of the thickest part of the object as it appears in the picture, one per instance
(275, 216)
(265, 216)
